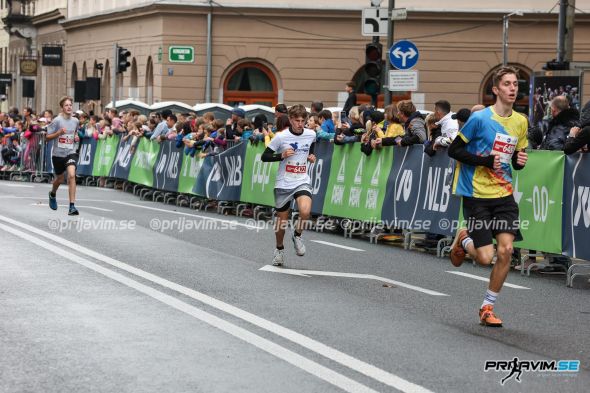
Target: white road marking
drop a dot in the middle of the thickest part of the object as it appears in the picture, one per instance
(18, 185)
(288, 334)
(307, 273)
(506, 284)
(280, 352)
(44, 197)
(336, 245)
(231, 222)
(85, 207)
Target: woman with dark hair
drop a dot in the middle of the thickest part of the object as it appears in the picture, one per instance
(260, 123)
(282, 123)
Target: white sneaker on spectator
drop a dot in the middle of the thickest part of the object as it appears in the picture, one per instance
(278, 258)
(299, 246)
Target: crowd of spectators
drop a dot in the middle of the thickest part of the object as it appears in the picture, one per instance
(399, 124)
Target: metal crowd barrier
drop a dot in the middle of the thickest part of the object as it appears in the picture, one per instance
(29, 164)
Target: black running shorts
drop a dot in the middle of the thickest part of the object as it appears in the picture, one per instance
(61, 163)
(486, 218)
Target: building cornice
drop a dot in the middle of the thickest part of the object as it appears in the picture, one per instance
(49, 17)
(170, 8)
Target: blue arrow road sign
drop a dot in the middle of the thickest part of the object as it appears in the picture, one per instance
(403, 55)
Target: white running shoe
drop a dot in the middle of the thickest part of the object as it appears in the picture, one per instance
(299, 246)
(278, 258)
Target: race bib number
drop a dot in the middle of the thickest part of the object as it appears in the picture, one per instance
(295, 170)
(504, 146)
(65, 142)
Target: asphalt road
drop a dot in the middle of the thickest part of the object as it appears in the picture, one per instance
(135, 296)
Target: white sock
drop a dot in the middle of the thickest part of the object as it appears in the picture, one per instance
(466, 242)
(490, 298)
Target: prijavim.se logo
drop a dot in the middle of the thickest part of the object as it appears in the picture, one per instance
(516, 367)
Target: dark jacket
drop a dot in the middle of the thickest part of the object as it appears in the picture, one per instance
(572, 145)
(428, 145)
(415, 132)
(350, 102)
(351, 135)
(559, 128)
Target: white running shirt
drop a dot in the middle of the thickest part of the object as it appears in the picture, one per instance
(293, 170)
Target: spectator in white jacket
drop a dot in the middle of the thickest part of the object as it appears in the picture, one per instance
(448, 126)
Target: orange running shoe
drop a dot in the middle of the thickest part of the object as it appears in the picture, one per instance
(488, 318)
(457, 254)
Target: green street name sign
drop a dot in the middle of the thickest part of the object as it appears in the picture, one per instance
(181, 54)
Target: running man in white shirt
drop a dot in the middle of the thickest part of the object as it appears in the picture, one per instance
(294, 149)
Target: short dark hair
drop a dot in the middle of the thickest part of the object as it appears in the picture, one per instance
(376, 117)
(325, 114)
(281, 108)
(317, 106)
(172, 116)
(351, 84)
(500, 72)
(166, 113)
(443, 105)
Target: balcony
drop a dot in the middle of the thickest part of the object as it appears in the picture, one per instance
(19, 13)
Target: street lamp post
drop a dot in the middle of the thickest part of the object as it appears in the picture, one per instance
(505, 20)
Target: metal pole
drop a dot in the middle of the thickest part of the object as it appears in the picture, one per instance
(505, 41)
(563, 6)
(114, 77)
(569, 31)
(209, 56)
(386, 92)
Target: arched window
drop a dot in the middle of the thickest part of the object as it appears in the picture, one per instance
(250, 83)
(359, 79)
(524, 79)
(133, 90)
(149, 82)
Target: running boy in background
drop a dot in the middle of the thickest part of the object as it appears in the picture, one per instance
(63, 132)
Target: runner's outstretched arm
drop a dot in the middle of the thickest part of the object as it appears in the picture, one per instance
(458, 152)
(269, 155)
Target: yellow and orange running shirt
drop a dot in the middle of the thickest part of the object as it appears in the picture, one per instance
(484, 132)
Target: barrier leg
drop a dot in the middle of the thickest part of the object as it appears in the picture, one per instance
(573, 271)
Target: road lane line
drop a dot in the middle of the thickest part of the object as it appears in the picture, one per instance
(81, 206)
(336, 245)
(17, 185)
(506, 284)
(288, 334)
(231, 222)
(280, 352)
(44, 197)
(275, 269)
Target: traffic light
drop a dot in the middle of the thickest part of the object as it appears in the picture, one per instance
(122, 62)
(373, 68)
